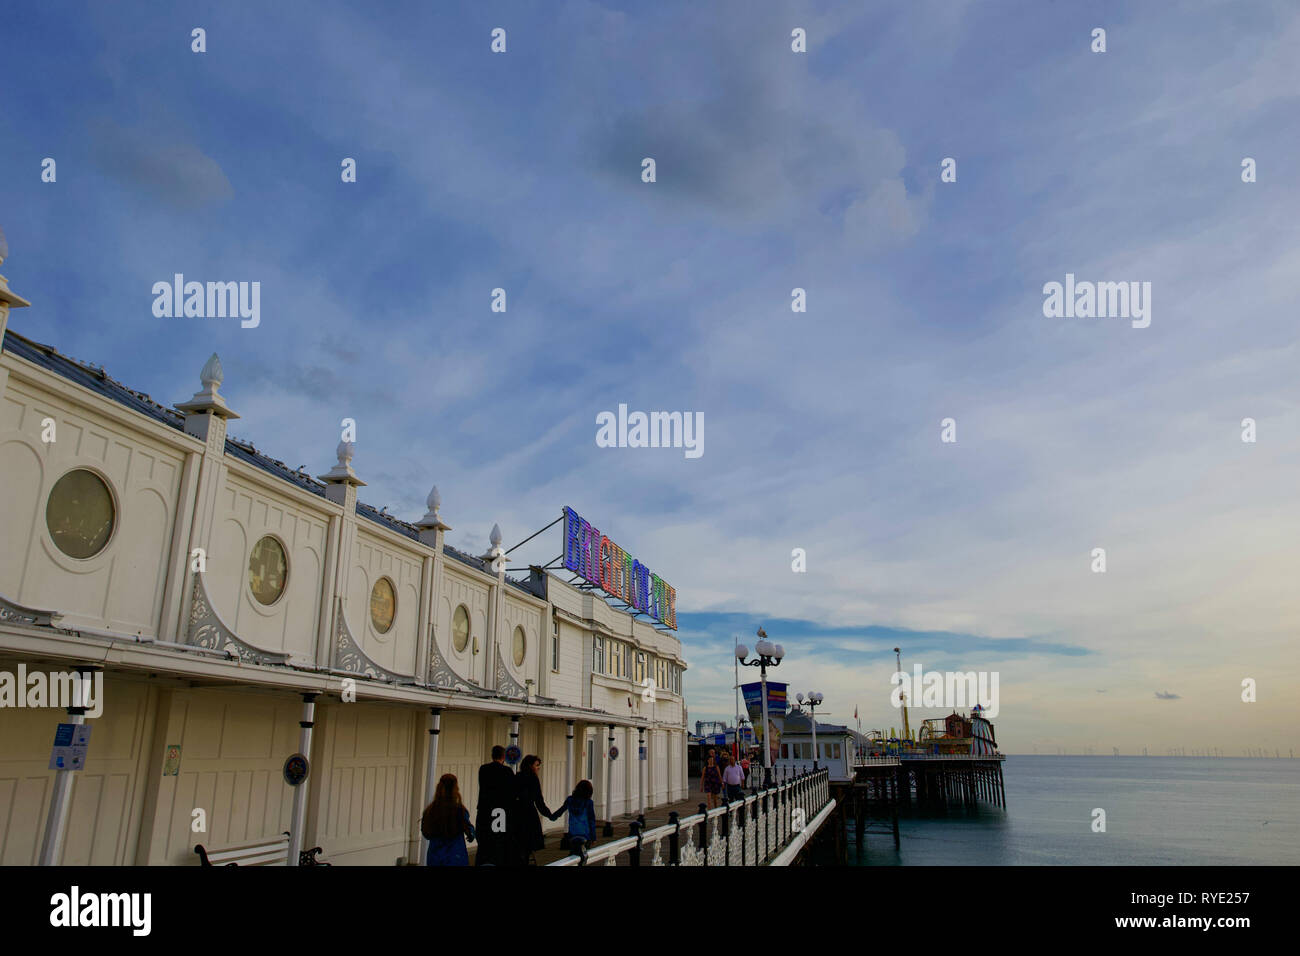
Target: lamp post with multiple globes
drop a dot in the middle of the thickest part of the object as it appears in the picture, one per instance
(812, 700)
(768, 655)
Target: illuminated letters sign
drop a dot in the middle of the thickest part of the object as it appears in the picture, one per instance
(599, 561)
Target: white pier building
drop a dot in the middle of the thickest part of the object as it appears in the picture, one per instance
(303, 593)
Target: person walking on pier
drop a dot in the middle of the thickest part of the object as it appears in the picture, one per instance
(711, 782)
(496, 799)
(734, 778)
(582, 817)
(528, 804)
(445, 824)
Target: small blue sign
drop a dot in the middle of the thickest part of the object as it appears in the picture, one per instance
(513, 754)
(63, 735)
(296, 769)
(613, 753)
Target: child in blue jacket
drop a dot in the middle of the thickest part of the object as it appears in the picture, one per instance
(582, 814)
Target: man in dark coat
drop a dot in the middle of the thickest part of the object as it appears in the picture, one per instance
(496, 805)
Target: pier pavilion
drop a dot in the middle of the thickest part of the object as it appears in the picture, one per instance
(240, 611)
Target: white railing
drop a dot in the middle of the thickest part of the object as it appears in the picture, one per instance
(748, 832)
(876, 762)
(954, 757)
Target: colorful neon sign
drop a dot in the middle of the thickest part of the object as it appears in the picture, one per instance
(599, 561)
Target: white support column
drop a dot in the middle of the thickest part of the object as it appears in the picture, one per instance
(642, 759)
(609, 783)
(56, 820)
(569, 781)
(431, 777)
(300, 792)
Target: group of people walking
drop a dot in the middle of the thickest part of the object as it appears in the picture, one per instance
(508, 823)
(720, 771)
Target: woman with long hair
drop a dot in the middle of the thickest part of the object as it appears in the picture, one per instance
(446, 825)
(711, 782)
(529, 803)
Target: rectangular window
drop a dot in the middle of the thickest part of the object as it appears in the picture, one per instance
(785, 751)
(555, 648)
(640, 675)
(598, 655)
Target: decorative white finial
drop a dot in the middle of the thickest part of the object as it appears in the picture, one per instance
(342, 473)
(207, 399)
(212, 376)
(431, 521)
(495, 536)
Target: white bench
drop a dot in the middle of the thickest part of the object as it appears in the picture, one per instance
(267, 853)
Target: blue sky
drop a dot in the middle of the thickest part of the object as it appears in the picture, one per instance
(775, 170)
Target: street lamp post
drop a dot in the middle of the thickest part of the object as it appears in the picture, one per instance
(769, 655)
(812, 701)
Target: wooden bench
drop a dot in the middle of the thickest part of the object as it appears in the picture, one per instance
(267, 853)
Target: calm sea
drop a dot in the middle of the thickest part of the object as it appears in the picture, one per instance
(1159, 811)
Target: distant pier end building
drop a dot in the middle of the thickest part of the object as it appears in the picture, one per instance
(226, 597)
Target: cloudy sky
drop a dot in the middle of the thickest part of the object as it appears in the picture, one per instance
(775, 170)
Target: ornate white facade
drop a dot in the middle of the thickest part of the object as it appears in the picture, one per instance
(200, 660)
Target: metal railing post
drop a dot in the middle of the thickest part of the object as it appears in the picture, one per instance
(674, 840)
(704, 832)
(634, 854)
(726, 830)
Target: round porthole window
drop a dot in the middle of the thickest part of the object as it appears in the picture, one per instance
(267, 570)
(80, 514)
(521, 645)
(460, 628)
(383, 605)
